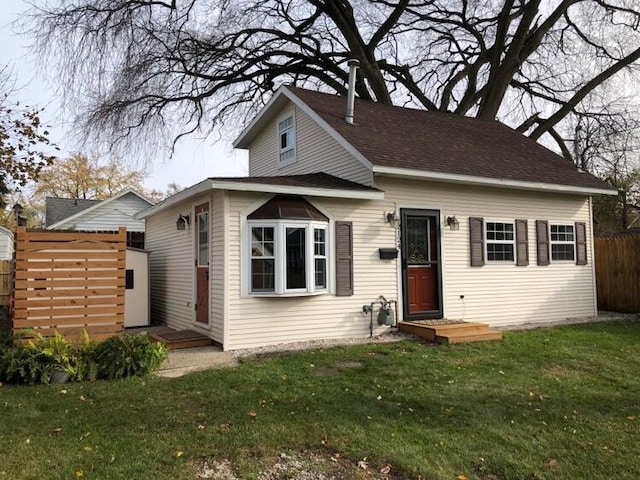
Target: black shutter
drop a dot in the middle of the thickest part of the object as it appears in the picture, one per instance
(344, 259)
(476, 237)
(522, 243)
(542, 239)
(581, 243)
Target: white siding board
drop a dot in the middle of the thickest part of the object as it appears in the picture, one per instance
(115, 214)
(316, 151)
(255, 321)
(171, 268)
(503, 294)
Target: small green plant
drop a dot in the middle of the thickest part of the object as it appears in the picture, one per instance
(20, 364)
(128, 355)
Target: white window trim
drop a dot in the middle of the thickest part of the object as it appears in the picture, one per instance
(294, 147)
(279, 238)
(487, 242)
(562, 242)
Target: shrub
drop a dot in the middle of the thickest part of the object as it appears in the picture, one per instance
(19, 364)
(128, 355)
(117, 357)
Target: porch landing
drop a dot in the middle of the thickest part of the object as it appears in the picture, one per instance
(450, 331)
(175, 339)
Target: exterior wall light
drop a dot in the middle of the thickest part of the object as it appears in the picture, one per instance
(392, 218)
(182, 222)
(453, 223)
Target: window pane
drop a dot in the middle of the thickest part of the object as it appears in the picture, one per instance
(262, 275)
(295, 250)
(562, 251)
(417, 240)
(319, 242)
(262, 242)
(321, 272)
(500, 251)
(203, 238)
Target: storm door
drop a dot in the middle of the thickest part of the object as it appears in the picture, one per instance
(421, 266)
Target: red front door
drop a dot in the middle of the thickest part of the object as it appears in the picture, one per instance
(202, 262)
(421, 269)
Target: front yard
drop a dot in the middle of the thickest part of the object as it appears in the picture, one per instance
(556, 403)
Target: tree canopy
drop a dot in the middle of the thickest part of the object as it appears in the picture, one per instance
(25, 148)
(138, 68)
(87, 177)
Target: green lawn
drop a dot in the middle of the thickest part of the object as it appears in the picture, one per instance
(557, 403)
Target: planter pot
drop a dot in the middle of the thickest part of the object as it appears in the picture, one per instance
(59, 376)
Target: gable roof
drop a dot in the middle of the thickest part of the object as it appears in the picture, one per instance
(57, 209)
(89, 206)
(311, 184)
(441, 146)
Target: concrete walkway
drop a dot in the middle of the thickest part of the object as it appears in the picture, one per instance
(187, 360)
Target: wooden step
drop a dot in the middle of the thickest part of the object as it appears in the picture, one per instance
(450, 332)
(176, 339)
(488, 336)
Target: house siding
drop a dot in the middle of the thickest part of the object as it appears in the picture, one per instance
(115, 214)
(255, 321)
(316, 151)
(172, 271)
(503, 294)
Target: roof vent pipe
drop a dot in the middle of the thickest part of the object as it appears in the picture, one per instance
(351, 92)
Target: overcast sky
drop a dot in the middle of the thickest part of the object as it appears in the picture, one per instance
(193, 161)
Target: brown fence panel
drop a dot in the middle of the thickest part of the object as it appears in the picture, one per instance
(617, 261)
(6, 270)
(69, 282)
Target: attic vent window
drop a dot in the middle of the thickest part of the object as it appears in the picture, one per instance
(288, 250)
(287, 140)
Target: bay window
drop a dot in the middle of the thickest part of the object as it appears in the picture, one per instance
(288, 248)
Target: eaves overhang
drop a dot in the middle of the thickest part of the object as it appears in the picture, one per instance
(231, 185)
(489, 182)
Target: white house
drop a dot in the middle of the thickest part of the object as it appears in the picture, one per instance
(453, 217)
(6, 244)
(99, 215)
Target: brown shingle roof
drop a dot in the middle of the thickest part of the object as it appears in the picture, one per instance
(310, 180)
(444, 143)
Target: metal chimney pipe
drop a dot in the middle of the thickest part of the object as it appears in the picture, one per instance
(353, 65)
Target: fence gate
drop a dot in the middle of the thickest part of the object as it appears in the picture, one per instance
(617, 261)
(68, 281)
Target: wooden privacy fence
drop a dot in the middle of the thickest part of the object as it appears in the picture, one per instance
(6, 270)
(68, 282)
(617, 261)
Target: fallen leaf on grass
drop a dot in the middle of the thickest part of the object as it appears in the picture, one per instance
(631, 417)
(551, 464)
(461, 477)
(79, 473)
(363, 464)
(386, 469)
(56, 430)
(252, 413)
(178, 453)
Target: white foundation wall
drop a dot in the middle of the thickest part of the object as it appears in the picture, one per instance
(172, 269)
(316, 151)
(255, 321)
(498, 293)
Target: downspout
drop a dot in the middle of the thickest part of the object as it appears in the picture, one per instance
(351, 91)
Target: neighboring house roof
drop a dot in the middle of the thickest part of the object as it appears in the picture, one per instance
(57, 209)
(312, 184)
(452, 147)
(89, 207)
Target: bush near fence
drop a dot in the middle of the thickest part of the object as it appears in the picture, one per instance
(69, 282)
(617, 263)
